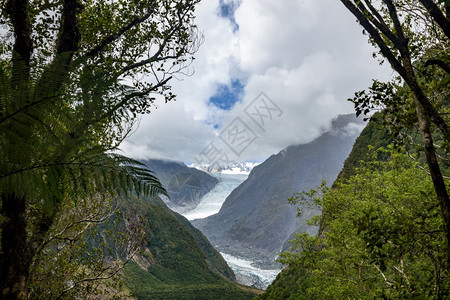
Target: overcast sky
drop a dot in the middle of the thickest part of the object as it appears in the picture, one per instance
(270, 74)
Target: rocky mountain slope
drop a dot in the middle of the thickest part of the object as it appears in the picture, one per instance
(256, 219)
(185, 186)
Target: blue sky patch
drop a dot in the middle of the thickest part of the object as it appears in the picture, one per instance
(226, 96)
(227, 9)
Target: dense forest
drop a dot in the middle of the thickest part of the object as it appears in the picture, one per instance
(80, 220)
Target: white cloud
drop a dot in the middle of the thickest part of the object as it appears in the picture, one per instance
(308, 56)
(170, 132)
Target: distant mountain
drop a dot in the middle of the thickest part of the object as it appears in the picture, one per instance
(233, 168)
(256, 220)
(185, 186)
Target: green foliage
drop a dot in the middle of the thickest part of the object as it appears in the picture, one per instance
(103, 237)
(366, 145)
(290, 284)
(396, 112)
(384, 239)
(53, 152)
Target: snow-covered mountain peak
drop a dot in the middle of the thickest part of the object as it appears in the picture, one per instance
(233, 168)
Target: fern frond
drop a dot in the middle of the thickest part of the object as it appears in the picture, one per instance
(54, 138)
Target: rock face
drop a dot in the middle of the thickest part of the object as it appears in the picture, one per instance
(185, 186)
(256, 219)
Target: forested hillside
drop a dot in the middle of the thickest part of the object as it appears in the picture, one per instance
(382, 235)
(177, 261)
(291, 282)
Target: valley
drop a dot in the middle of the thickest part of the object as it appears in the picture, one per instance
(246, 215)
(245, 270)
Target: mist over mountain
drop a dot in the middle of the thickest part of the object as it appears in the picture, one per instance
(256, 220)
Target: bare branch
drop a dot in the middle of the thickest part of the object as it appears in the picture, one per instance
(99, 276)
(389, 283)
(400, 270)
(420, 167)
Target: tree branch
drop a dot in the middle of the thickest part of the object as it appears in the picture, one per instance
(67, 44)
(130, 96)
(89, 219)
(69, 34)
(150, 60)
(389, 283)
(437, 16)
(58, 164)
(402, 42)
(113, 37)
(26, 107)
(97, 277)
(434, 61)
(381, 25)
(376, 13)
(396, 65)
(402, 46)
(161, 47)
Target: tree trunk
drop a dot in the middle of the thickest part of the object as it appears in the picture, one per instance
(14, 254)
(435, 172)
(424, 117)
